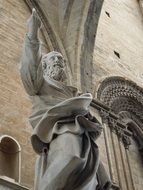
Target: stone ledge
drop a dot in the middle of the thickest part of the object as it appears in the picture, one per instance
(7, 184)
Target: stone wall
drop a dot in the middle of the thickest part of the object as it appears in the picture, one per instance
(119, 44)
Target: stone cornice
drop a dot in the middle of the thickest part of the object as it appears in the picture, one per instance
(11, 185)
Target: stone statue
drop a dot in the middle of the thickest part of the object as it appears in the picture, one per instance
(64, 132)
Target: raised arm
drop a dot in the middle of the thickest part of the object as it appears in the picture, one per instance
(33, 25)
(30, 66)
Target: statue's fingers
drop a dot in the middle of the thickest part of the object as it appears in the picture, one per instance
(33, 11)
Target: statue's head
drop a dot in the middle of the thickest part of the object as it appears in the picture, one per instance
(54, 66)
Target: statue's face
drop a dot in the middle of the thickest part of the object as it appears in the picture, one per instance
(53, 66)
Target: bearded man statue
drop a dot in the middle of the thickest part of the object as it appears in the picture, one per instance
(64, 132)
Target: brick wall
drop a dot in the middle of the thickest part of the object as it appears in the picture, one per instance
(14, 103)
(120, 30)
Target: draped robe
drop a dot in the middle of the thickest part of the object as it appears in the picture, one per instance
(64, 133)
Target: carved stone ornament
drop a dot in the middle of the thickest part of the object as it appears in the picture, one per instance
(125, 99)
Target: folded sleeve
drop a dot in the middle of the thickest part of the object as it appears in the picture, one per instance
(31, 65)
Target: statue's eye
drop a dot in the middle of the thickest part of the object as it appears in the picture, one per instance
(52, 58)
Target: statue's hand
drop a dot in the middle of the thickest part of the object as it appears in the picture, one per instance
(34, 24)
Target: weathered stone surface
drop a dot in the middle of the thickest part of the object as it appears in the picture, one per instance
(6, 184)
(64, 132)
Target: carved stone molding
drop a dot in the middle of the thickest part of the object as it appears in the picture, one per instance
(104, 115)
(113, 121)
(114, 87)
(122, 133)
(125, 99)
(122, 95)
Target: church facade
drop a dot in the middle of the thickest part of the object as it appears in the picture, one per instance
(103, 47)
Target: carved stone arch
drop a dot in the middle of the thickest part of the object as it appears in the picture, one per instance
(125, 99)
(121, 87)
(10, 158)
(121, 95)
(137, 134)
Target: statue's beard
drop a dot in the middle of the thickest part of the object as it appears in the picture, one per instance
(56, 73)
